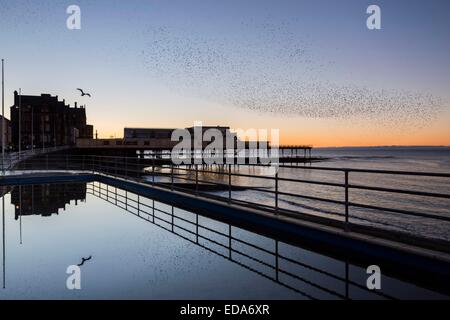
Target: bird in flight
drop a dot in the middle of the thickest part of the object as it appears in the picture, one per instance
(83, 260)
(84, 93)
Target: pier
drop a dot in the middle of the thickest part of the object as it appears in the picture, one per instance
(161, 150)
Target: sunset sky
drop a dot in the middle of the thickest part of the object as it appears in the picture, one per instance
(309, 68)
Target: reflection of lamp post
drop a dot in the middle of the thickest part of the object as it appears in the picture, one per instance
(4, 242)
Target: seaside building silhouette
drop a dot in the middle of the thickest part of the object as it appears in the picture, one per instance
(7, 132)
(47, 122)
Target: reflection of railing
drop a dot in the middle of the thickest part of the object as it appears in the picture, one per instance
(224, 179)
(168, 221)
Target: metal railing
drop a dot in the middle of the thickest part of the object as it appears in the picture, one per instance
(12, 158)
(219, 183)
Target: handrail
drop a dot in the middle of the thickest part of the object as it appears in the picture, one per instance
(224, 180)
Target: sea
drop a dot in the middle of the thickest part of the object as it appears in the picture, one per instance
(259, 189)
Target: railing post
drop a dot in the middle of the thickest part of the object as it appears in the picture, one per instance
(153, 172)
(229, 183)
(171, 173)
(138, 167)
(276, 192)
(196, 179)
(346, 201)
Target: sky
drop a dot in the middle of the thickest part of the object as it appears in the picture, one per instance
(311, 69)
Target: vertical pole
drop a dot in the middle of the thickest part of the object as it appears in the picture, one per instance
(3, 116)
(346, 200)
(126, 167)
(229, 183)
(196, 179)
(20, 212)
(153, 172)
(20, 122)
(276, 192)
(32, 129)
(171, 174)
(138, 167)
(4, 242)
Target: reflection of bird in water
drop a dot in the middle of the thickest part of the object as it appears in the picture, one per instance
(83, 260)
(84, 93)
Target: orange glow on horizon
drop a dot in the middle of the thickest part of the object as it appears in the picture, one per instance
(343, 140)
(300, 131)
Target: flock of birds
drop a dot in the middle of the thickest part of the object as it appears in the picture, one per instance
(261, 67)
(273, 71)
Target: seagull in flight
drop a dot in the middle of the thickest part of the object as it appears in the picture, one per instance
(83, 260)
(83, 93)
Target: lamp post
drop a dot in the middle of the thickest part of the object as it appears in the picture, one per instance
(3, 116)
(20, 122)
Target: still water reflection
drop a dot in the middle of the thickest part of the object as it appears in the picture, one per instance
(144, 249)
